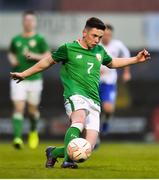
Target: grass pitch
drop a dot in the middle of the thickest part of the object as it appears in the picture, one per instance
(111, 160)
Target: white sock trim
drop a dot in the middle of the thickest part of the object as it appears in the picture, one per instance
(80, 126)
(18, 116)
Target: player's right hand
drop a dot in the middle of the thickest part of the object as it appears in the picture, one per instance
(17, 76)
(143, 56)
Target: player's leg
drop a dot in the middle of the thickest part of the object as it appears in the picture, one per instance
(108, 98)
(89, 120)
(92, 125)
(34, 89)
(34, 116)
(77, 119)
(76, 108)
(17, 121)
(18, 97)
(108, 108)
(77, 123)
(91, 137)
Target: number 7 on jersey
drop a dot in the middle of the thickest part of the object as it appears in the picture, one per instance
(90, 66)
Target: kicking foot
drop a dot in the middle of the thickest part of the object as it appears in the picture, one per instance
(71, 165)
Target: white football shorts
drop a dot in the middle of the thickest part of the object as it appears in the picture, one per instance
(77, 102)
(29, 91)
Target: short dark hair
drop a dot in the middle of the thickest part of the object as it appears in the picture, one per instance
(29, 12)
(109, 27)
(94, 22)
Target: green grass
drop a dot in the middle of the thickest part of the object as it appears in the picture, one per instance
(111, 160)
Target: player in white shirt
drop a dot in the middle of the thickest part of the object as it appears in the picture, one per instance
(108, 79)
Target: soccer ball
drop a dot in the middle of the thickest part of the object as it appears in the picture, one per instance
(79, 149)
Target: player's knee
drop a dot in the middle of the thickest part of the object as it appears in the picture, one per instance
(108, 108)
(34, 114)
(33, 110)
(78, 116)
(19, 109)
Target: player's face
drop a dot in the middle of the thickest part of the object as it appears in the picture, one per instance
(107, 37)
(92, 36)
(29, 23)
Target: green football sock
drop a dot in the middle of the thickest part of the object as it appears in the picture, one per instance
(34, 119)
(71, 133)
(58, 152)
(17, 121)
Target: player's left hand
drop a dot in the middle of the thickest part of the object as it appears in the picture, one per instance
(143, 56)
(29, 55)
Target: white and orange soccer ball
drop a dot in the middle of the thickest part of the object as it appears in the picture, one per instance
(79, 149)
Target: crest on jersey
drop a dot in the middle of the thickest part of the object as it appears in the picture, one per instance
(32, 43)
(18, 43)
(99, 57)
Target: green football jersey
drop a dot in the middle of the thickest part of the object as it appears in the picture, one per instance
(19, 45)
(80, 71)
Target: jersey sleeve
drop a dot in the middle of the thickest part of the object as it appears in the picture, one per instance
(43, 45)
(106, 58)
(12, 47)
(60, 55)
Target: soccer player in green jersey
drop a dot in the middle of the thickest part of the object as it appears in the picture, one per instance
(26, 49)
(80, 74)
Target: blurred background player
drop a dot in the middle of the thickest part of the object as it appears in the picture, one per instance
(26, 49)
(108, 79)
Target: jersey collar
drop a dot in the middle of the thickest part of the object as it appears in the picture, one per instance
(78, 41)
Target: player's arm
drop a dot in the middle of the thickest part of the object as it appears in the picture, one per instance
(142, 56)
(12, 54)
(12, 59)
(35, 56)
(43, 64)
(60, 55)
(43, 48)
